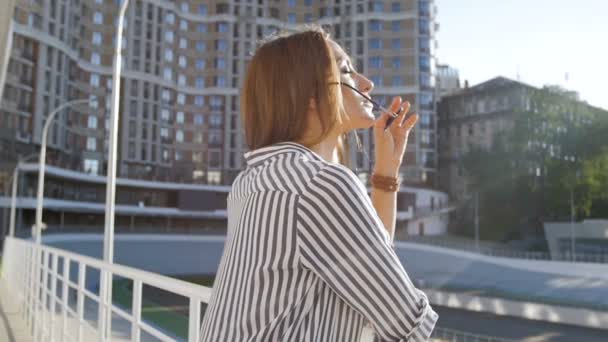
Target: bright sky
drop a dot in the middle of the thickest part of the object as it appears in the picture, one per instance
(544, 39)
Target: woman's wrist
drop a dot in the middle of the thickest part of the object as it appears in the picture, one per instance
(386, 172)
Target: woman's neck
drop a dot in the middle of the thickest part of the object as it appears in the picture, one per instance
(327, 149)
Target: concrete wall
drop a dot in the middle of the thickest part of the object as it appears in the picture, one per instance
(589, 229)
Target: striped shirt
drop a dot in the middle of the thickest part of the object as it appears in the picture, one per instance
(307, 258)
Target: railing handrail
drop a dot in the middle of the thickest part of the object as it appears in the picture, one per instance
(174, 285)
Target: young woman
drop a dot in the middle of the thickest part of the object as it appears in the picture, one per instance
(308, 254)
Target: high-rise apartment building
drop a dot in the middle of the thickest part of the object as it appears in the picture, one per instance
(183, 65)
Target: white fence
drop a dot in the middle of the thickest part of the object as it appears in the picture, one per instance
(503, 250)
(46, 290)
(45, 287)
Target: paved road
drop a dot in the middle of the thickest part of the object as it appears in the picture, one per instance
(515, 328)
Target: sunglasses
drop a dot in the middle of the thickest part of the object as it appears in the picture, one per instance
(376, 105)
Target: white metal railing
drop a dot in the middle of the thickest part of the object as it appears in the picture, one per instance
(43, 290)
(32, 273)
(502, 250)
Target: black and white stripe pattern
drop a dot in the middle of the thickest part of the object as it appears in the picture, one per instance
(308, 259)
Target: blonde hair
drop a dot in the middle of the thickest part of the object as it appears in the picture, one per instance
(288, 70)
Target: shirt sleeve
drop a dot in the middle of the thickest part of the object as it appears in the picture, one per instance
(342, 239)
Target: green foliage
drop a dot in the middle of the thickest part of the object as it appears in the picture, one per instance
(555, 147)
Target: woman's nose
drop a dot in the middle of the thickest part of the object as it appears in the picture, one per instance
(365, 84)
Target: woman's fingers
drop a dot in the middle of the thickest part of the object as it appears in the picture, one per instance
(411, 120)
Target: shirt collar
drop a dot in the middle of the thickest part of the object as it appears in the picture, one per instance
(260, 155)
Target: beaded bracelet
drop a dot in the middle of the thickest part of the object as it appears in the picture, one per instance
(389, 184)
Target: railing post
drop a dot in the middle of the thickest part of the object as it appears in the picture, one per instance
(65, 297)
(44, 293)
(80, 301)
(136, 310)
(53, 296)
(194, 320)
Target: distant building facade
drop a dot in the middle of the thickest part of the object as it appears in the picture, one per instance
(472, 117)
(183, 65)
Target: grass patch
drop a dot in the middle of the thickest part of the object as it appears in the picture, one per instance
(159, 315)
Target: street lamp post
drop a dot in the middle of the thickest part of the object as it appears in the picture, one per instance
(11, 231)
(105, 290)
(42, 165)
(37, 229)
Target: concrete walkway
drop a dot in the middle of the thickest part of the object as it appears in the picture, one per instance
(12, 326)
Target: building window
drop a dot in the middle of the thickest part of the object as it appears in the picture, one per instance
(291, 18)
(376, 25)
(425, 63)
(168, 74)
(424, 44)
(308, 18)
(396, 62)
(308, 3)
(199, 100)
(181, 80)
(169, 36)
(291, 3)
(220, 81)
(200, 64)
(376, 62)
(170, 18)
(96, 38)
(91, 143)
(164, 115)
(397, 81)
(396, 43)
(164, 132)
(169, 55)
(98, 18)
(179, 118)
(202, 9)
(185, 7)
(396, 7)
(220, 63)
(92, 122)
(91, 166)
(95, 58)
(183, 43)
(396, 26)
(221, 45)
(215, 120)
(179, 136)
(201, 28)
(200, 45)
(182, 61)
(375, 43)
(200, 82)
(222, 27)
(183, 25)
(181, 98)
(94, 80)
(376, 6)
(423, 26)
(198, 119)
